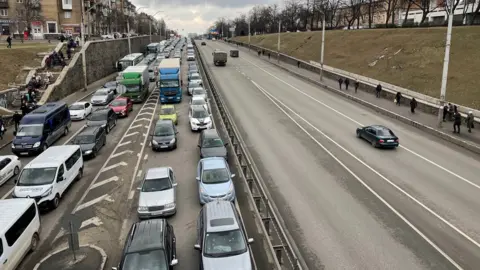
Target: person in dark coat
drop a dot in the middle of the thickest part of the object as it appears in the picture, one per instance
(413, 105)
(357, 84)
(470, 120)
(347, 82)
(259, 52)
(2, 127)
(340, 82)
(445, 112)
(457, 121)
(268, 56)
(16, 119)
(9, 41)
(24, 108)
(398, 98)
(378, 90)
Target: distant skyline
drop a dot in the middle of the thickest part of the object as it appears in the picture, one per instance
(194, 16)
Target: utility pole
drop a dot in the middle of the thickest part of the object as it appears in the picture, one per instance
(278, 43)
(150, 29)
(249, 34)
(323, 46)
(446, 60)
(128, 35)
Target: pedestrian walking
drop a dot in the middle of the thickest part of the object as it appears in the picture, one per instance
(470, 121)
(413, 105)
(357, 84)
(2, 128)
(268, 56)
(457, 121)
(77, 40)
(347, 82)
(16, 119)
(259, 52)
(340, 82)
(398, 98)
(445, 112)
(9, 41)
(378, 90)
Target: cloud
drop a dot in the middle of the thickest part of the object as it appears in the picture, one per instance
(195, 16)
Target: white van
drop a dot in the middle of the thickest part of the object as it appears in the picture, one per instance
(19, 231)
(46, 178)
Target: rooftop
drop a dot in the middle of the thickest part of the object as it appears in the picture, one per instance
(154, 173)
(11, 209)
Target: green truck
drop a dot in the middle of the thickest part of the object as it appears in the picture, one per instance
(135, 80)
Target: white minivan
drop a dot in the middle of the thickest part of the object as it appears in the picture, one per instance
(46, 178)
(19, 231)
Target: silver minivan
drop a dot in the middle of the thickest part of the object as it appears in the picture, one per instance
(157, 193)
(222, 239)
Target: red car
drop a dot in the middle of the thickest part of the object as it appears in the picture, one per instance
(121, 106)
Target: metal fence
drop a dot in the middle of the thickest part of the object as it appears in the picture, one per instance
(286, 253)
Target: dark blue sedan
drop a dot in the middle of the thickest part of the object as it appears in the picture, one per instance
(379, 136)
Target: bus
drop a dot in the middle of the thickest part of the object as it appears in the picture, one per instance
(129, 60)
(153, 48)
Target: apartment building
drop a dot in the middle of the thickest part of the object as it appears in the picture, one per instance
(463, 13)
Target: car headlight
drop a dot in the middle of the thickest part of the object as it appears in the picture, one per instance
(194, 121)
(13, 146)
(207, 120)
(154, 142)
(202, 191)
(47, 193)
(230, 189)
(172, 141)
(170, 205)
(37, 144)
(88, 152)
(142, 208)
(104, 125)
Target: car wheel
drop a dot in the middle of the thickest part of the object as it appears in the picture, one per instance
(115, 122)
(107, 129)
(358, 134)
(94, 154)
(65, 132)
(16, 171)
(56, 201)
(374, 144)
(80, 174)
(34, 242)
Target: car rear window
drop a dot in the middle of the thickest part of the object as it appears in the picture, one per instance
(385, 132)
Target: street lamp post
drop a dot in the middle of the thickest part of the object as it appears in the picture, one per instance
(278, 43)
(323, 47)
(249, 34)
(150, 25)
(446, 60)
(128, 31)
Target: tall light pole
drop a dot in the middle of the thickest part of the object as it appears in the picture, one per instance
(249, 33)
(150, 25)
(323, 46)
(446, 60)
(82, 42)
(128, 31)
(278, 42)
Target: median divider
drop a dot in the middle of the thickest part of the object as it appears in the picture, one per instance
(279, 242)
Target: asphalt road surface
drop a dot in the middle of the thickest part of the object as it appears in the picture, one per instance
(347, 204)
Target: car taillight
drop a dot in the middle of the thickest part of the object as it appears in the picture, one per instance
(381, 141)
(396, 140)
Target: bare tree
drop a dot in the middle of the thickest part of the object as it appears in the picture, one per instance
(425, 6)
(28, 11)
(408, 5)
(390, 7)
(353, 12)
(475, 13)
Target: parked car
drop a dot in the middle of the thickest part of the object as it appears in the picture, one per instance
(211, 145)
(150, 244)
(164, 135)
(122, 106)
(10, 166)
(221, 238)
(104, 117)
(91, 140)
(80, 110)
(199, 118)
(379, 136)
(157, 193)
(168, 112)
(214, 180)
(102, 97)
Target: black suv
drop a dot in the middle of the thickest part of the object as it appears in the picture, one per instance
(90, 140)
(151, 244)
(104, 117)
(211, 145)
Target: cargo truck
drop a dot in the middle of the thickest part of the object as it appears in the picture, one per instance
(170, 80)
(136, 82)
(219, 58)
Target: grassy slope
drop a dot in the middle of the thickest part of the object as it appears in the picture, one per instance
(418, 66)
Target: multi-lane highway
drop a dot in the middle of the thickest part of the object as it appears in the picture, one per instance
(347, 204)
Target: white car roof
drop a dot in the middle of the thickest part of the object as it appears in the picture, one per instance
(53, 156)
(80, 103)
(11, 210)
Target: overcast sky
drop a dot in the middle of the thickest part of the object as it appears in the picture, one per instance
(195, 16)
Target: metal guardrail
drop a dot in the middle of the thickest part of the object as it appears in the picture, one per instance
(286, 255)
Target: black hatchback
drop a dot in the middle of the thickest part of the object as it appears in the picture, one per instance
(104, 117)
(164, 135)
(211, 145)
(150, 244)
(91, 140)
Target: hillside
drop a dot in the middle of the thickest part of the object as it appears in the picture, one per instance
(411, 58)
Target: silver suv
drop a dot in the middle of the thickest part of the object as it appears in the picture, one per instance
(221, 236)
(157, 193)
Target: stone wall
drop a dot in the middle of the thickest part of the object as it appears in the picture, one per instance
(100, 58)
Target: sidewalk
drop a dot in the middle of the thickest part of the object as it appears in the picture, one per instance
(87, 257)
(403, 110)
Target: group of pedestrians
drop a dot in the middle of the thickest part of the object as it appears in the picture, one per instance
(450, 113)
(347, 83)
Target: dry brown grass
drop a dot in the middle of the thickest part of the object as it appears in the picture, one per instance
(13, 60)
(418, 66)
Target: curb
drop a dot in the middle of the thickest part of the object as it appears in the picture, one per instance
(101, 251)
(440, 134)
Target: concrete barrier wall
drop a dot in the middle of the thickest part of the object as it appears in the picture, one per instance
(100, 57)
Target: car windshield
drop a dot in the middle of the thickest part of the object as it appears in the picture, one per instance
(97, 117)
(133, 88)
(159, 184)
(193, 85)
(125, 63)
(384, 132)
(101, 93)
(195, 77)
(119, 102)
(169, 83)
(75, 107)
(215, 176)
(30, 130)
(223, 244)
(146, 260)
(199, 114)
(198, 101)
(167, 111)
(37, 176)
(84, 139)
(212, 142)
(163, 130)
(198, 91)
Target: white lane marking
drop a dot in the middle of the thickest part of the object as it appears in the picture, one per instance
(114, 166)
(130, 134)
(145, 113)
(101, 183)
(123, 152)
(140, 119)
(123, 143)
(149, 108)
(277, 102)
(139, 173)
(360, 124)
(92, 202)
(146, 126)
(91, 221)
(146, 157)
(131, 194)
(144, 134)
(136, 126)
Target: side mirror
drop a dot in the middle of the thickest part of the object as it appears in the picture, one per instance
(60, 178)
(174, 262)
(226, 144)
(250, 240)
(233, 175)
(199, 145)
(196, 246)
(198, 178)
(174, 184)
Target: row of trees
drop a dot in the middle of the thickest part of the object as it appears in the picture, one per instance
(305, 15)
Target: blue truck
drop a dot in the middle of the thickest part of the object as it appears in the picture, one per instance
(170, 80)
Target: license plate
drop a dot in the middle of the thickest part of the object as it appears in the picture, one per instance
(163, 146)
(389, 140)
(156, 213)
(24, 153)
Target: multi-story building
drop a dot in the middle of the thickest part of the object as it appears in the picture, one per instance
(463, 14)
